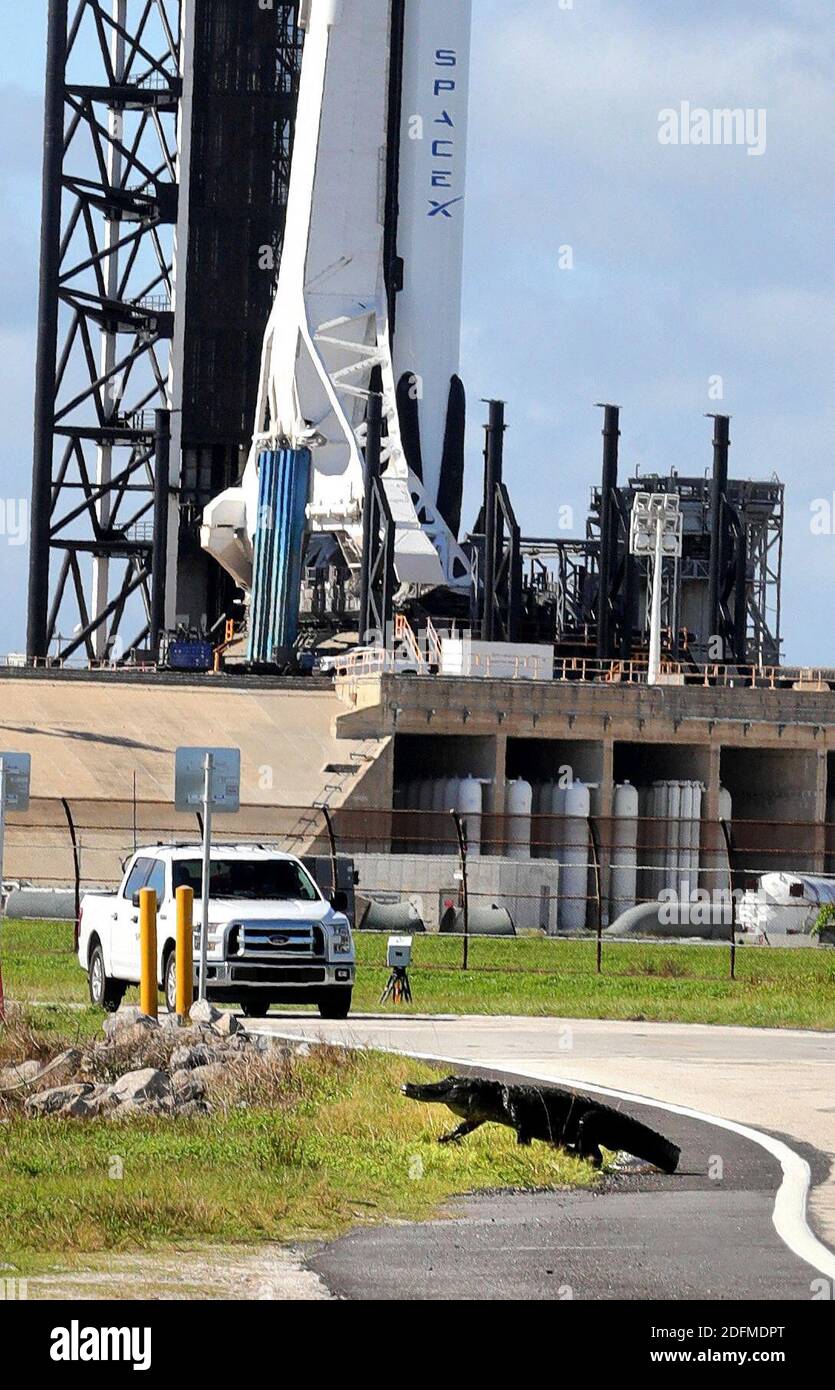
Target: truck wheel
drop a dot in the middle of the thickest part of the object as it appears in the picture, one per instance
(104, 992)
(169, 982)
(255, 1006)
(336, 1003)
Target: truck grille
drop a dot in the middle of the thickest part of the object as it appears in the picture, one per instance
(278, 975)
(282, 941)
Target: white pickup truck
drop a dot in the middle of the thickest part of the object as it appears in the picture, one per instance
(273, 937)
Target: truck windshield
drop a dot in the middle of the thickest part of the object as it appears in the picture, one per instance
(274, 879)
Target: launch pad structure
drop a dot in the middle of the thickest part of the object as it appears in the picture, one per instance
(245, 314)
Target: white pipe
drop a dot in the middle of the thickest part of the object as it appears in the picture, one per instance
(655, 619)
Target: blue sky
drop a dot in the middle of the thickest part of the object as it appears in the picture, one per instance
(689, 262)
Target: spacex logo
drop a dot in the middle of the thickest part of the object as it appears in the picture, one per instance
(444, 141)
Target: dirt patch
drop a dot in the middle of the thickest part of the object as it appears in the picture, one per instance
(272, 1273)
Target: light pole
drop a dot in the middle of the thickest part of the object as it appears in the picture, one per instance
(656, 535)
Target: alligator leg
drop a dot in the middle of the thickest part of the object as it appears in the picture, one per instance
(461, 1132)
(587, 1144)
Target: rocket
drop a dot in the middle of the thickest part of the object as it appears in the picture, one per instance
(368, 296)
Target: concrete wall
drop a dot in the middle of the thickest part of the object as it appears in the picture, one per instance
(529, 891)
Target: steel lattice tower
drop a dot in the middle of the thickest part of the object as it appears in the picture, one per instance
(168, 137)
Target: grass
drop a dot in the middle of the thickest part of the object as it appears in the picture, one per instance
(775, 988)
(329, 1143)
(335, 1146)
(659, 982)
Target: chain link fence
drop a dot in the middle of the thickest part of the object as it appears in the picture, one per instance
(477, 888)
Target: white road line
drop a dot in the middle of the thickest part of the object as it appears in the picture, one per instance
(790, 1204)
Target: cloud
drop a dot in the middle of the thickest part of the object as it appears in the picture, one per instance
(688, 262)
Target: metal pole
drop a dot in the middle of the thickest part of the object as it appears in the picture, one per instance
(655, 620)
(373, 449)
(718, 490)
(162, 467)
(493, 475)
(741, 595)
(2, 823)
(334, 856)
(185, 951)
(729, 845)
(148, 984)
(594, 840)
(461, 830)
(630, 620)
(608, 532)
(41, 508)
(76, 863)
(208, 778)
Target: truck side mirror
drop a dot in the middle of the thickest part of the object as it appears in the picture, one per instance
(339, 901)
(136, 899)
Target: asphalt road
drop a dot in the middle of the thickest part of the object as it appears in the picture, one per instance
(708, 1232)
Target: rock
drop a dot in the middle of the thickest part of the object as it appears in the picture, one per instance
(87, 1107)
(186, 1058)
(215, 1071)
(62, 1069)
(172, 1023)
(163, 1105)
(191, 1036)
(204, 1012)
(138, 1036)
(19, 1072)
(193, 1107)
(265, 1043)
(129, 1017)
(58, 1100)
(226, 1026)
(137, 1088)
(187, 1087)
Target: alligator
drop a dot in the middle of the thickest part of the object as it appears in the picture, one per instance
(564, 1119)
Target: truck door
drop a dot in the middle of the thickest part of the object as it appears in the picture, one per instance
(124, 942)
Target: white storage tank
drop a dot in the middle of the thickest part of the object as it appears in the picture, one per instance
(679, 804)
(444, 800)
(623, 882)
(721, 880)
(694, 829)
(549, 810)
(575, 858)
(555, 831)
(470, 806)
(656, 830)
(539, 827)
(518, 810)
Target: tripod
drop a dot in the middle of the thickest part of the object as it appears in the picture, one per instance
(398, 988)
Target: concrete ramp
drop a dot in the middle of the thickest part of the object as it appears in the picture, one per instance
(106, 747)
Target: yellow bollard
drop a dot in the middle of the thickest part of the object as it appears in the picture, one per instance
(185, 951)
(148, 982)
